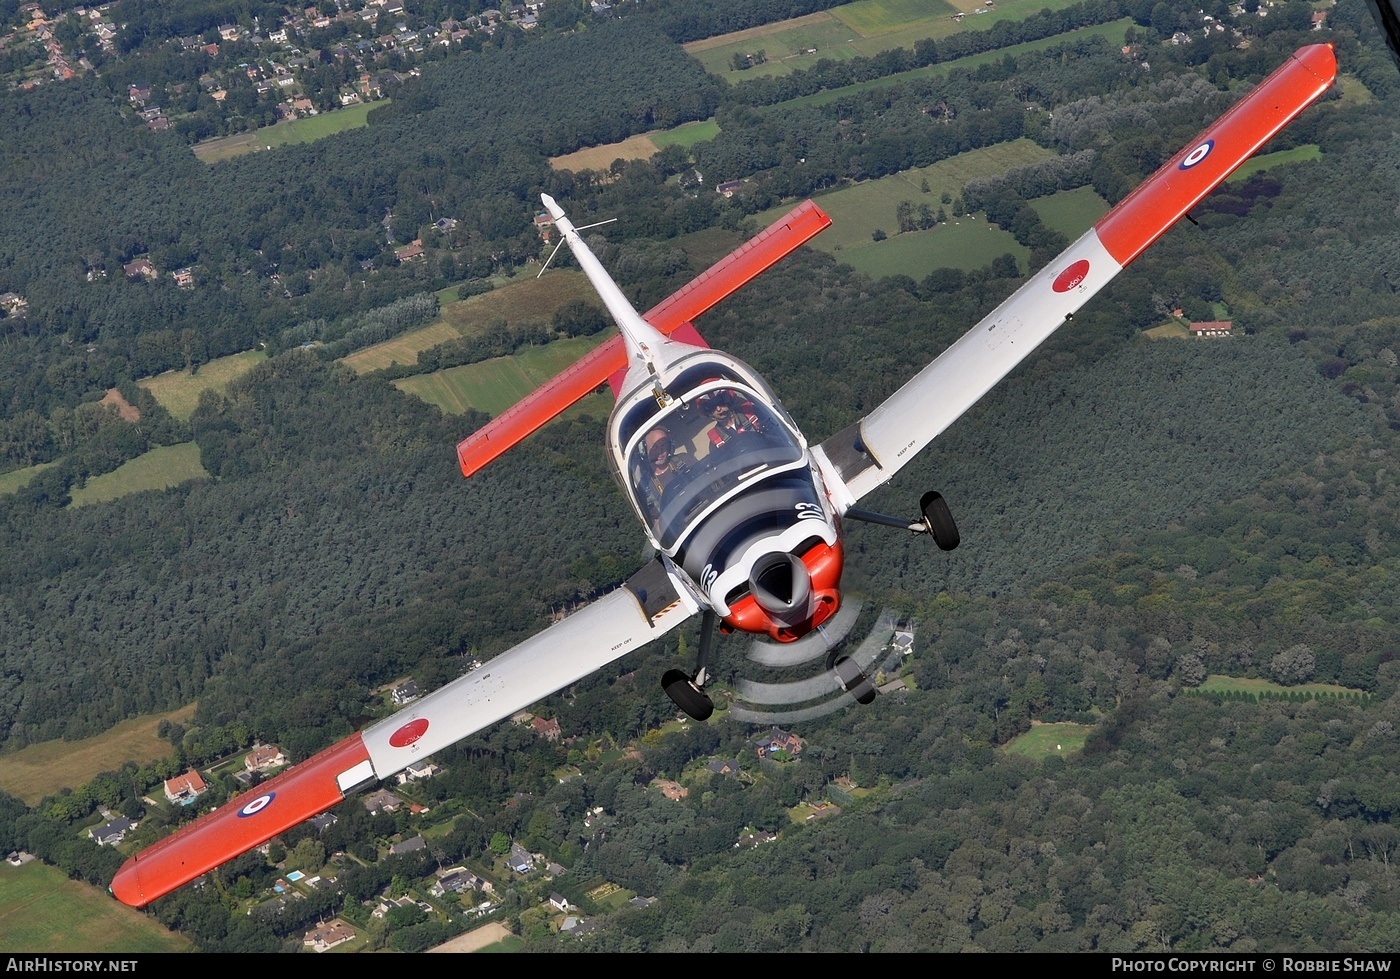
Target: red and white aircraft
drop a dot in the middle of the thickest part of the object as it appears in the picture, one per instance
(745, 514)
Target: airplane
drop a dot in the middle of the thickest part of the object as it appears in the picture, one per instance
(745, 515)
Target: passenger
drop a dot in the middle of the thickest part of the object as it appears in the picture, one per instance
(731, 417)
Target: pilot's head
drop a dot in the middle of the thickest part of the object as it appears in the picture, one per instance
(658, 447)
(718, 405)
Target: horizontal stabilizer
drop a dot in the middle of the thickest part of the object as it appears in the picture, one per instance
(587, 374)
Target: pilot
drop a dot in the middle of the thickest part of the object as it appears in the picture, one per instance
(731, 417)
(661, 471)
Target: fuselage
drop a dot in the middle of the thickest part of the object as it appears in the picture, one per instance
(725, 487)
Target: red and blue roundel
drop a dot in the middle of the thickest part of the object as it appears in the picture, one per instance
(1196, 155)
(409, 733)
(257, 805)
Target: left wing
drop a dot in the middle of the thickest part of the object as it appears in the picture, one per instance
(870, 452)
(648, 605)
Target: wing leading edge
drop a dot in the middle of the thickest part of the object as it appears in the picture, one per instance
(647, 606)
(740, 266)
(869, 453)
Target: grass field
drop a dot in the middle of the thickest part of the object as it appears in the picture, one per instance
(494, 385)
(687, 134)
(1071, 212)
(1113, 31)
(284, 133)
(864, 28)
(1045, 740)
(1219, 683)
(178, 391)
(966, 243)
(42, 769)
(1308, 151)
(521, 301)
(642, 147)
(160, 468)
(17, 479)
(41, 910)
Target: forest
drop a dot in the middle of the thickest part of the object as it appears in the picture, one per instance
(1135, 515)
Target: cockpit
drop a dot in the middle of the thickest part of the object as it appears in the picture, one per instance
(688, 455)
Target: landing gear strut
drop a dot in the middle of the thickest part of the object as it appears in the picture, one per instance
(937, 521)
(687, 691)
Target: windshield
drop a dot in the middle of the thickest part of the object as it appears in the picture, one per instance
(695, 454)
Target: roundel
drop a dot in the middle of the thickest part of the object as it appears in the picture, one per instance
(257, 805)
(1071, 276)
(409, 733)
(1197, 155)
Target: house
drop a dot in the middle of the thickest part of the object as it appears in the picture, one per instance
(778, 740)
(558, 901)
(1213, 328)
(408, 252)
(672, 790)
(729, 188)
(325, 936)
(417, 771)
(263, 757)
(519, 859)
(411, 845)
(184, 789)
(457, 880)
(382, 801)
(141, 268)
(324, 821)
(111, 833)
(721, 767)
(751, 840)
(405, 692)
(549, 730)
(184, 278)
(544, 224)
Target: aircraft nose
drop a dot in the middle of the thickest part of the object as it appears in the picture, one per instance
(782, 586)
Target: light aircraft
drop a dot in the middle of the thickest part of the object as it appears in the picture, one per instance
(745, 514)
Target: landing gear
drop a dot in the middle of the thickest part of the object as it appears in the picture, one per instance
(853, 681)
(939, 521)
(687, 691)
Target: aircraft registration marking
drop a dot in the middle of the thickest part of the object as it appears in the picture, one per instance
(409, 733)
(257, 805)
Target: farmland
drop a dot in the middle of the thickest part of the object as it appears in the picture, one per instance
(42, 911)
(178, 391)
(285, 133)
(160, 468)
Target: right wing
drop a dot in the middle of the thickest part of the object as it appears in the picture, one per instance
(869, 453)
(674, 313)
(648, 605)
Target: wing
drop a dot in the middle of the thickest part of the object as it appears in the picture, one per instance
(730, 273)
(870, 452)
(648, 605)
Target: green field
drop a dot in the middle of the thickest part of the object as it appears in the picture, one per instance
(1219, 683)
(285, 133)
(965, 243)
(519, 302)
(160, 468)
(864, 29)
(1299, 154)
(41, 910)
(1113, 32)
(17, 479)
(178, 391)
(494, 385)
(42, 769)
(1046, 740)
(687, 134)
(1071, 212)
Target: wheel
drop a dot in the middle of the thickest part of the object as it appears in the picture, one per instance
(853, 681)
(686, 695)
(939, 521)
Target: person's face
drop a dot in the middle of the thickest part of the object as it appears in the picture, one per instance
(660, 453)
(721, 412)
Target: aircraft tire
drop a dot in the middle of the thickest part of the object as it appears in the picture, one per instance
(939, 520)
(853, 681)
(686, 695)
